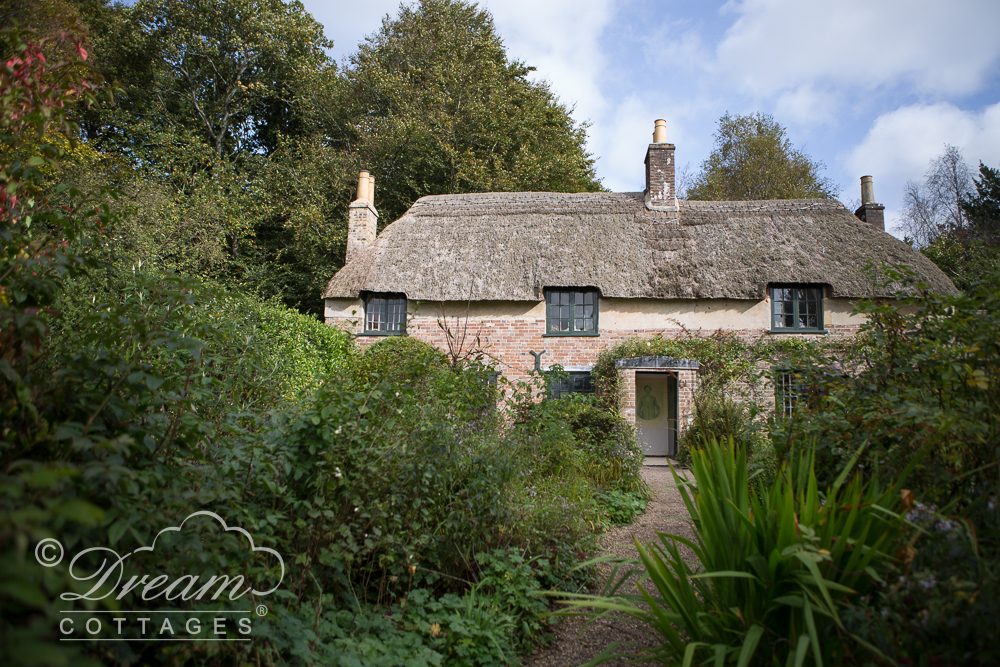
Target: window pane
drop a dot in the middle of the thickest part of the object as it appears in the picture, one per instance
(376, 319)
(789, 393)
(571, 311)
(396, 314)
(796, 307)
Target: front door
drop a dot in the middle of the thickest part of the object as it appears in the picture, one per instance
(656, 412)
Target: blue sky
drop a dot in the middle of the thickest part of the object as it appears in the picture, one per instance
(866, 86)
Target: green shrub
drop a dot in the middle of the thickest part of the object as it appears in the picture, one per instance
(720, 417)
(762, 467)
(621, 507)
(399, 359)
(775, 571)
(922, 378)
(613, 457)
(940, 607)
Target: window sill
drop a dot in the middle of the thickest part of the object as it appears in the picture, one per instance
(572, 334)
(819, 332)
(382, 333)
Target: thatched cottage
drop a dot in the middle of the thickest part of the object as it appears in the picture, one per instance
(571, 274)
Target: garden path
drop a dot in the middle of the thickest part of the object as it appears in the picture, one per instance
(664, 513)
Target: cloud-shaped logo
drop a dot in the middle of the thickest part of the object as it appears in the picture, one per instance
(225, 526)
(181, 587)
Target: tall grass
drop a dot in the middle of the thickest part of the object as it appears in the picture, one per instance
(772, 571)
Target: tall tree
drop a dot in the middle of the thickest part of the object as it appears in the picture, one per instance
(226, 69)
(967, 242)
(982, 209)
(933, 206)
(208, 95)
(431, 104)
(754, 159)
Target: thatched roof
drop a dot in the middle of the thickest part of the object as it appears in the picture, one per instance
(509, 246)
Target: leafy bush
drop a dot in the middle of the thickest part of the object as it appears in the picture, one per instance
(762, 467)
(940, 604)
(728, 363)
(775, 572)
(720, 417)
(922, 381)
(621, 507)
(613, 457)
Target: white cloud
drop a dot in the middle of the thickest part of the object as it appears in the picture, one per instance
(901, 143)
(561, 38)
(938, 48)
(347, 23)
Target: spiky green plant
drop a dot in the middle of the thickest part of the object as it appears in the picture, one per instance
(773, 570)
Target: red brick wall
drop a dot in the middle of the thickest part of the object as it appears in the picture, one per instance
(509, 340)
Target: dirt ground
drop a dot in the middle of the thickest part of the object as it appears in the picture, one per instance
(664, 513)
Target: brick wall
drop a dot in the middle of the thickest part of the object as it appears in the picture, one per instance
(362, 226)
(508, 340)
(660, 175)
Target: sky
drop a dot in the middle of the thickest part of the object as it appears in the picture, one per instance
(865, 86)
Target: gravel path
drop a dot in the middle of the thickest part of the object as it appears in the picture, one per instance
(664, 513)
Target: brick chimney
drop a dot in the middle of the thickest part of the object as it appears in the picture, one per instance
(661, 194)
(362, 222)
(869, 211)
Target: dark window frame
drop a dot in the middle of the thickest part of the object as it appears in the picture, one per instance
(800, 307)
(787, 390)
(573, 382)
(575, 313)
(389, 304)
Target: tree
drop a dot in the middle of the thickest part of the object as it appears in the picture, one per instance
(934, 206)
(982, 209)
(226, 68)
(754, 159)
(432, 105)
(210, 93)
(967, 244)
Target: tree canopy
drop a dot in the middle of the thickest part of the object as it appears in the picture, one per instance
(431, 104)
(964, 227)
(754, 159)
(237, 141)
(982, 209)
(933, 205)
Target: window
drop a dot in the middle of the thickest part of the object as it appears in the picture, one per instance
(571, 312)
(787, 387)
(385, 314)
(574, 382)
(797, 308)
